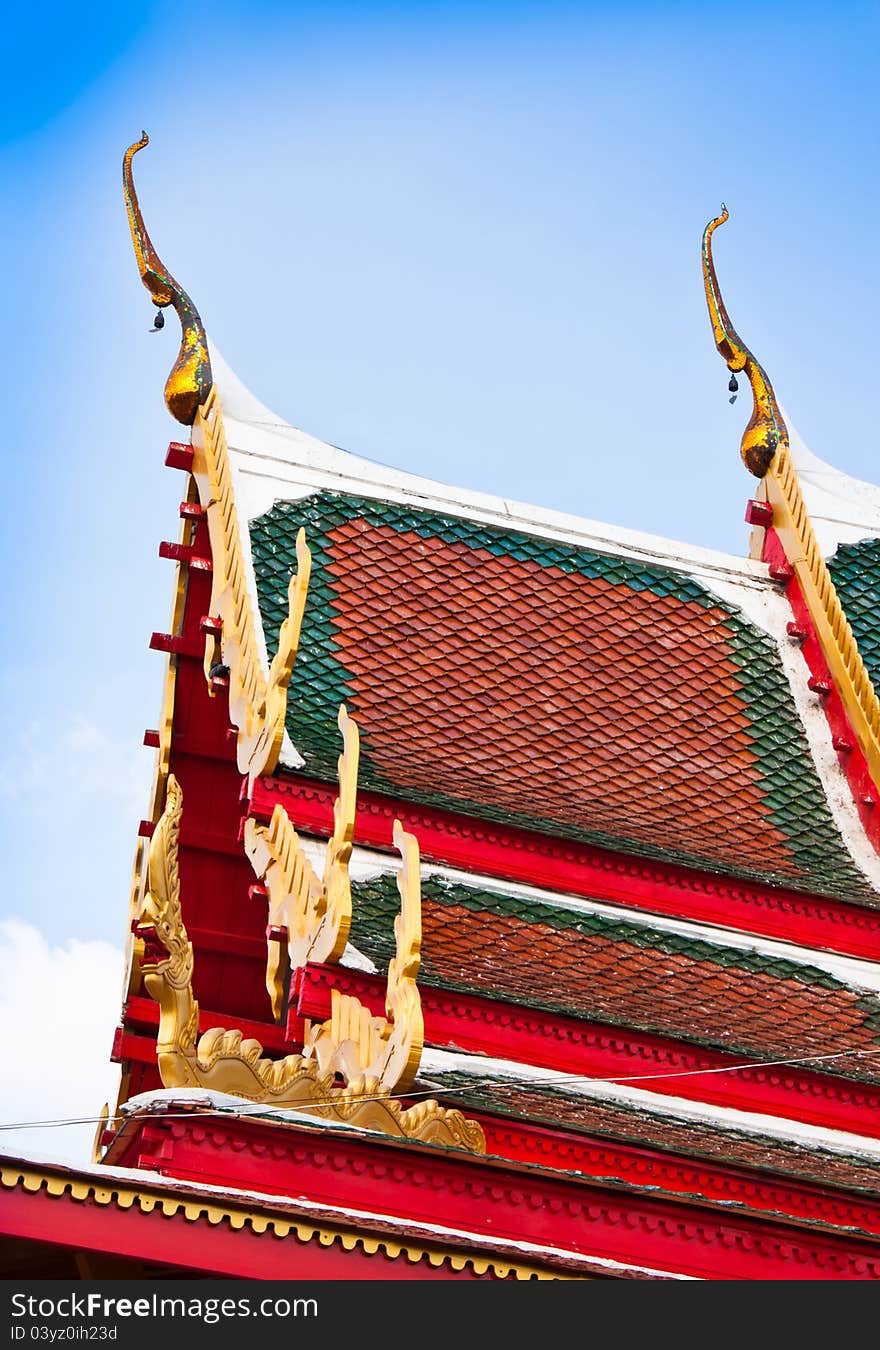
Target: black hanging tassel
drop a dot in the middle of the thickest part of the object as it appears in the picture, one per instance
(733, 386)
(158, 321)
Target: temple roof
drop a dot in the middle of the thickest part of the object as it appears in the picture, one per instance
(640, 1118)
(559, 954)
(540, 670)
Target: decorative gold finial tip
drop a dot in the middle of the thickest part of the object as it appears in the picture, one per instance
(190, 380)
(722, 216)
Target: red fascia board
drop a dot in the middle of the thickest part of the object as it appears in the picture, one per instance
(512, 854)
(692, 1179)
(567, 1044)
(197, 1244)
(480, 1196)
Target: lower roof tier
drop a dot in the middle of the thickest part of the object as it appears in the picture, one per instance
(499, 1091)
(570, 957)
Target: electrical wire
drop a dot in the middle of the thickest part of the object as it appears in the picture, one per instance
(561, 1079)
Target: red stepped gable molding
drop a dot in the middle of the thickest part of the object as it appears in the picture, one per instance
(513, 854)
(570, 1045)
(850, 757)
(578, 1215)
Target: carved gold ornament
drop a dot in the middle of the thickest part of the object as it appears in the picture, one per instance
(767, 454)
(316, 912)
(367, 1049)
(223, 1061)
(766, 428)
(190, 379)
(257, 705)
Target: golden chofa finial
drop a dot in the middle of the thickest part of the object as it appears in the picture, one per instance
(190, 380)
(766, 429)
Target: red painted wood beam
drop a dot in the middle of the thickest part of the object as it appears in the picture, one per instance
(131, 1049)
(590, 1157)
(207, 841)
(178, 644)
(185, 553)
(703, 1181)
(179, 456)
(141, 1013)
(198, 1245)
(569, 1045)
(512, 854)
(228, 944)
(477, 1195)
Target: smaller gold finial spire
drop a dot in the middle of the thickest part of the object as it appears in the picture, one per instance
(766, 429)
(190, 380)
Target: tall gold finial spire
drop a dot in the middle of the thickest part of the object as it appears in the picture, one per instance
(190, 380)
(766, 429)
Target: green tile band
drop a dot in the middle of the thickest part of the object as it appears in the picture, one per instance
(855, 571)
(463, 969)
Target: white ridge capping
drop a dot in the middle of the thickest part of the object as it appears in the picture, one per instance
(605, 1089)
(842, 509)
(274, 461)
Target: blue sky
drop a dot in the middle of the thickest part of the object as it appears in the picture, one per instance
(461, 239)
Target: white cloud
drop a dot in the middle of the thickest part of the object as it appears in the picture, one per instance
(59, 1006)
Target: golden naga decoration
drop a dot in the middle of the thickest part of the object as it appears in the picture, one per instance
(766, 452)
(222, 1061)
(368, 1049)
(766, 429)
(190, 379)
(316, 912)
(257, 706)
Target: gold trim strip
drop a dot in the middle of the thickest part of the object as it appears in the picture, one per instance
(839, 647)
(257, 704)
(148, 1201)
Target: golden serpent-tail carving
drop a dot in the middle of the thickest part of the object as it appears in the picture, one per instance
(315, 912)
(222, 1060)
(257, 705)
(190, 380)
(368, 1049)
(766, 429)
